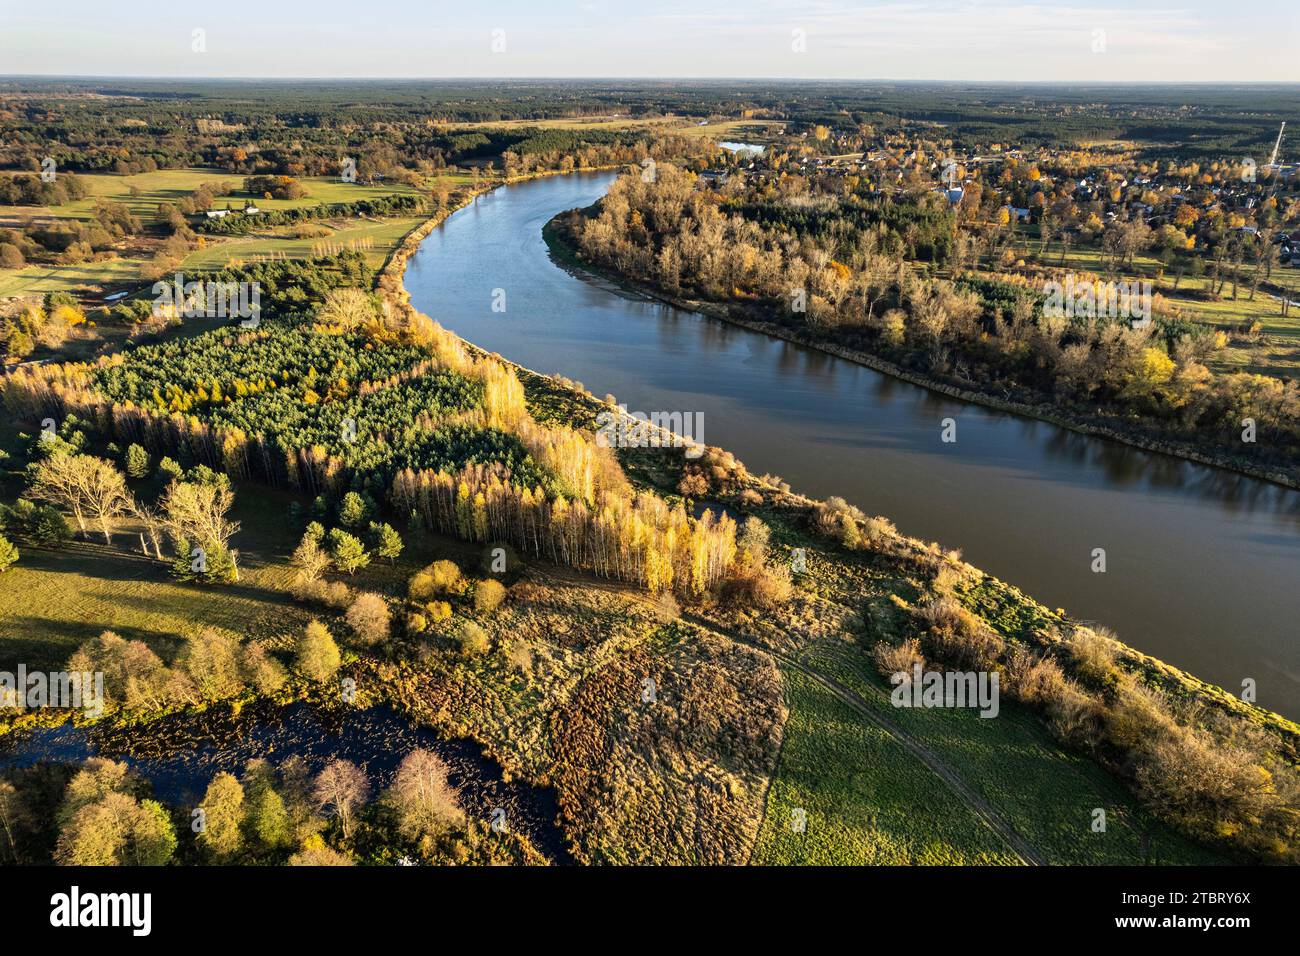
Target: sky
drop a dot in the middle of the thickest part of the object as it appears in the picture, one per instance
(990, 40)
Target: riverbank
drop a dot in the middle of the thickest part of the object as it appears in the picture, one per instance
(562, 246)
(579, 408)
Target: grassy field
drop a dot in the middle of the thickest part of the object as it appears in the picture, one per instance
(865, 799)
(144, 191)
(1013, 763)
(93, 279)
(385, 234)
(40, 279)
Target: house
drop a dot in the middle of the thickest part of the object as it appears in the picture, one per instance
(1018, 213)
(714, 177)
(952, 195)
(251, 210)
(217, 213)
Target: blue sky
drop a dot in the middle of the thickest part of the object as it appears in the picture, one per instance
(1075, 40)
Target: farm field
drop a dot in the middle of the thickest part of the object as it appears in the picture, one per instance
(376, 238)
(142, 192)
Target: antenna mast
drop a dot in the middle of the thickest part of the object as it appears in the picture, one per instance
(1273, 162)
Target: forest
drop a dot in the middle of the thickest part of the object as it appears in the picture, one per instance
(927, 288)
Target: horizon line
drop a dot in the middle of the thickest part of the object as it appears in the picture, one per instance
(4, 77)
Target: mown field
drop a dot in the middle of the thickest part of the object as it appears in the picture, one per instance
(864, 799)
(143, 192)
(383, 236)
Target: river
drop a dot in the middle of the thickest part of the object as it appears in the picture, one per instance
(1202, 566)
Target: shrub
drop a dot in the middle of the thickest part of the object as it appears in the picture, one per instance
(438, 611)
(420, 587)
(758, 586)
(320, 856)
(334, 595)
(1138, 717)
(1093, 656)
(666, 607)
(473, 640)
(488, 596)
(1074, 715)
(519, 657)
(8, 554)
(260, 670)
(892, 659)
(439, 578)
(957, 638)
(369, 618)
(1031, 679)
(318, 656)
(446, 577)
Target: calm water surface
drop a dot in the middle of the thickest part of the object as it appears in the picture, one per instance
(1203, 567)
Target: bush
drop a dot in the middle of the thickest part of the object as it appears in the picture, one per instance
(446, 577)
(488, 596)
(758, 586)
(1093, 656)
(317, 656)
(1031, 679)
(369, 618)
(420, 587)
(438, 611)
(439, 578)
(519, 658)
(334, 595)
(260, 670)
(958, 639)
(8, 554)
(473, 640)
(893, 659)
(1138, 717)
(1074, 715)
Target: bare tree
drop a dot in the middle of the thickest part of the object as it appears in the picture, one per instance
(424, 799)
(341, 788)
(91, 488)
